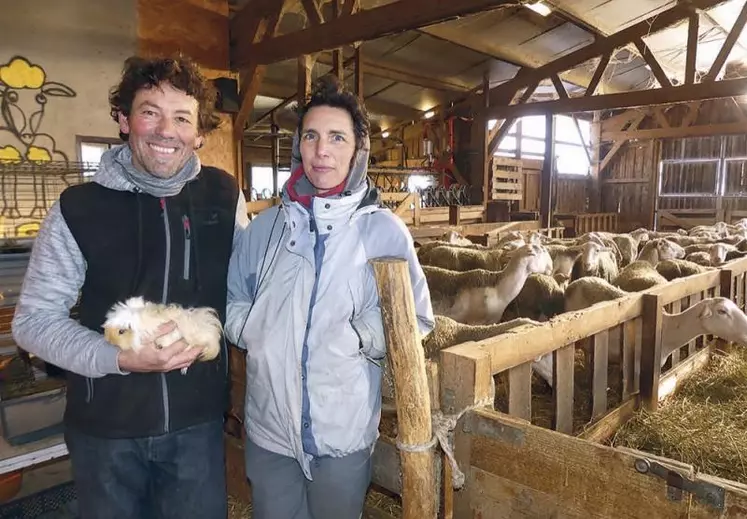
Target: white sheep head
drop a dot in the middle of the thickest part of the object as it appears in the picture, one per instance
(640, 235)
(718, 253)
(668, 250)
(456, 238)
(723, 318)
(591, 252)
(535, 259)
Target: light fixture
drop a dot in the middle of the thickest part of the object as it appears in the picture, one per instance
(539, 8)
(384, 135)
(429, 114)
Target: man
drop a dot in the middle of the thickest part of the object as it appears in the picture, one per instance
(144, 439)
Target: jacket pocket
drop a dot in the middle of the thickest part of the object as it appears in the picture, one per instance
(89, 390)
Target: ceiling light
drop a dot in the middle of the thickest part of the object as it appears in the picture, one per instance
(429, 114)
(384, 135)
(539, 8)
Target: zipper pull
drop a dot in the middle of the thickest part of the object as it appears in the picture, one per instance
(162, 202)
(187, 227)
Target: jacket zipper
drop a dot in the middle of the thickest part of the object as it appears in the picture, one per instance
(164, 297)
(319, 247)
(89, 390)
(187, 241)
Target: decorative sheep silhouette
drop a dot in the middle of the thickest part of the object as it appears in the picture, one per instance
(24, 93)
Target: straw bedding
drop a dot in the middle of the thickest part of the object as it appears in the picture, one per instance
(703, 424)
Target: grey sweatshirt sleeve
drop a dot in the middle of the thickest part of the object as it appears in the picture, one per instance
(41, 324)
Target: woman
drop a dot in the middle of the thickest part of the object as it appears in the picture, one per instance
(303, 302)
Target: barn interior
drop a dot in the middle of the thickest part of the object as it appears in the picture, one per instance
(559, 121)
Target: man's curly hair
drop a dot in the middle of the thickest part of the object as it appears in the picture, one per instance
(181, 72)
(328, 90)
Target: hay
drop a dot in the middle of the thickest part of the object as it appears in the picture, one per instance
(238, 509)
(543, 411)
(703, 424)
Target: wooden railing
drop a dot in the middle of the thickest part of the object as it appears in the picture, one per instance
(631, 325)
(599, 222)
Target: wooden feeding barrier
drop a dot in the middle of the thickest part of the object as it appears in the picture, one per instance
(419, 491)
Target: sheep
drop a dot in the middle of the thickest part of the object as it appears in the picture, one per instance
(639, 276)
(540, 299)
(446, 333)
(678, 268)
(660, 249)
(455, 238)
(425, 248)
(563, 258)
(444, 282)
(486, 304)
(595, 260)
(588, 291)
(700, 258)
(128, 324)
(461, 259)
(716, 316)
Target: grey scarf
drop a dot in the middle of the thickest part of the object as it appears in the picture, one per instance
(116, 171)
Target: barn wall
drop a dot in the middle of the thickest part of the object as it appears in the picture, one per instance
(78, 43)
(629, 183)
(199, 29)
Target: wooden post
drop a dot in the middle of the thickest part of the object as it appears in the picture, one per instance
(455, 215)
(407, 360)
(337, 57)
(358, 75)
(546, 181)
(595, 193)
(305, 64)
(651, 351)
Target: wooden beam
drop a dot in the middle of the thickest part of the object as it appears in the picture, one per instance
(692, 48)
(581, 137)
(728, 45)
(559, 87)
(313, 13)
(656, 96)
(358, 74)
(497, 137)
(649, 58)
(595, 193)
(597, 77)
(548, 172)
(616, 147)
(349, 7)
(692, 114)
(660, 117)
(678, 132)
(365, 25)
(305, 64)
(250, 78)
(602, 46)
(378, 68)
(337, 55)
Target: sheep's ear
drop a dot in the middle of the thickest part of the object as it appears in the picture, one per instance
(706, 312)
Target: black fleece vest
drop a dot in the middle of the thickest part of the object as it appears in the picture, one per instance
(174, 249)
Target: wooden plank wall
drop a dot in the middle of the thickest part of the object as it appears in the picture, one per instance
(570, 191)
(629, 182)
(629, 189)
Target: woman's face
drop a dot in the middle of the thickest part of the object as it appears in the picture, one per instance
(327, 146)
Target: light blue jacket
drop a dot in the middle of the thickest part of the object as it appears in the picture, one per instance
(303, 302)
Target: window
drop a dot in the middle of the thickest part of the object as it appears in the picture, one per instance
(90, 150)
(570, 156)
(262, 180)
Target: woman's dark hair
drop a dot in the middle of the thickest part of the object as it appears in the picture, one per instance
(181, 72)
(328, 90)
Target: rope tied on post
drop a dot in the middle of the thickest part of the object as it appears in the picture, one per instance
(443, 427)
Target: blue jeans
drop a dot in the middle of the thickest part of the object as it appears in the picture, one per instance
(176, 475)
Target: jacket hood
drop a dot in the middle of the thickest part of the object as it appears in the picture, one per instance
(116, 171)
(299, 188)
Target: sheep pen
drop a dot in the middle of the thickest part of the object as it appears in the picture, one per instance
(598, 393)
